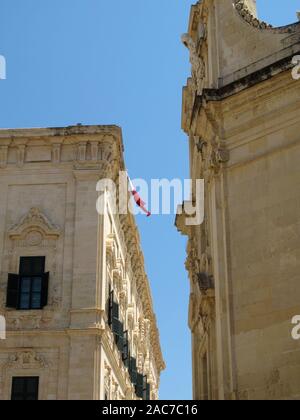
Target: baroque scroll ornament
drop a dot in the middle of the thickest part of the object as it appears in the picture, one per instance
(198, 64)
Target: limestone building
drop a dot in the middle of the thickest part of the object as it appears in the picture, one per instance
(241, 111)
(73, 290)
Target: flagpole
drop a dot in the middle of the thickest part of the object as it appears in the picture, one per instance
(137, 198)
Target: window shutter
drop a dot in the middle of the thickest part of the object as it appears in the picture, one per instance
(115, 327)
(139, 385)
(115, 310)
(121, 338)
(115, 319)
(127, 361)
(125, 355)
(110, 308)
(133, 370)
(148, 392)
(146, 389)
(107, 310)
(13, 287)
(45, 286)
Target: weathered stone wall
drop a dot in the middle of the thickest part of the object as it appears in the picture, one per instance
(263, 199)
(243, 121)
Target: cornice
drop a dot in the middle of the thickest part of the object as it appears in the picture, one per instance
(59, 132)
(87, 148)
(132, 241)
(243, 83)
(245, 13)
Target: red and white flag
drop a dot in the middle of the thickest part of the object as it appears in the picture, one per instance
(137, 198)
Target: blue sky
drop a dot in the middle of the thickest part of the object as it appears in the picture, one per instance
(117, 62)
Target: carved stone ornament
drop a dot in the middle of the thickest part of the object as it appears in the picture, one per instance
(246, 14)
(31, 321)
(27, 359)
(192, 263)
(244, 10)
(198, 64)
(33, 227)
(213, 156)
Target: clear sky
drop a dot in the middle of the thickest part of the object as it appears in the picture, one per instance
(117, 62)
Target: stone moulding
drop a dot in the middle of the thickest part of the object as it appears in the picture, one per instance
(243, 10)
(87, 147)
(27, 359)
(34, 222)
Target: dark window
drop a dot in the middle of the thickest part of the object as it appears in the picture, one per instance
(148, 393)
(125, 353)
(109, 309)
(115, 318)
(115, 310)
(139, 385)
(32, 266)
(118, 330)
(29, 289)
(142, 387)
(25, 389)
(120, 336)
(117, 326)
(13, 291)
(146, 389)
(133, 370)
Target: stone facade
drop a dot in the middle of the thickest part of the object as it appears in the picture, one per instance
(48, 201)
(242, 115)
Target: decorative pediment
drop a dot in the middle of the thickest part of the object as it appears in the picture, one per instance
(33, 227)
(27, 359)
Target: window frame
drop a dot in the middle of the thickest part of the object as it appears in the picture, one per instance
(25, 393)
(16, 291)
(31, 276)
(31, 293)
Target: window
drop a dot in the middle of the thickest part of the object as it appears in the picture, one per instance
(118, 330)
(146, 389)
(28, 289)
(139, 385)
(114, 322)
(125, 353)
(121, 337)
(142, 388)
(133, 370)
(109, 303)
(25, 389)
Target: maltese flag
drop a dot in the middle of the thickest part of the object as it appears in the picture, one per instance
(137, 198)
